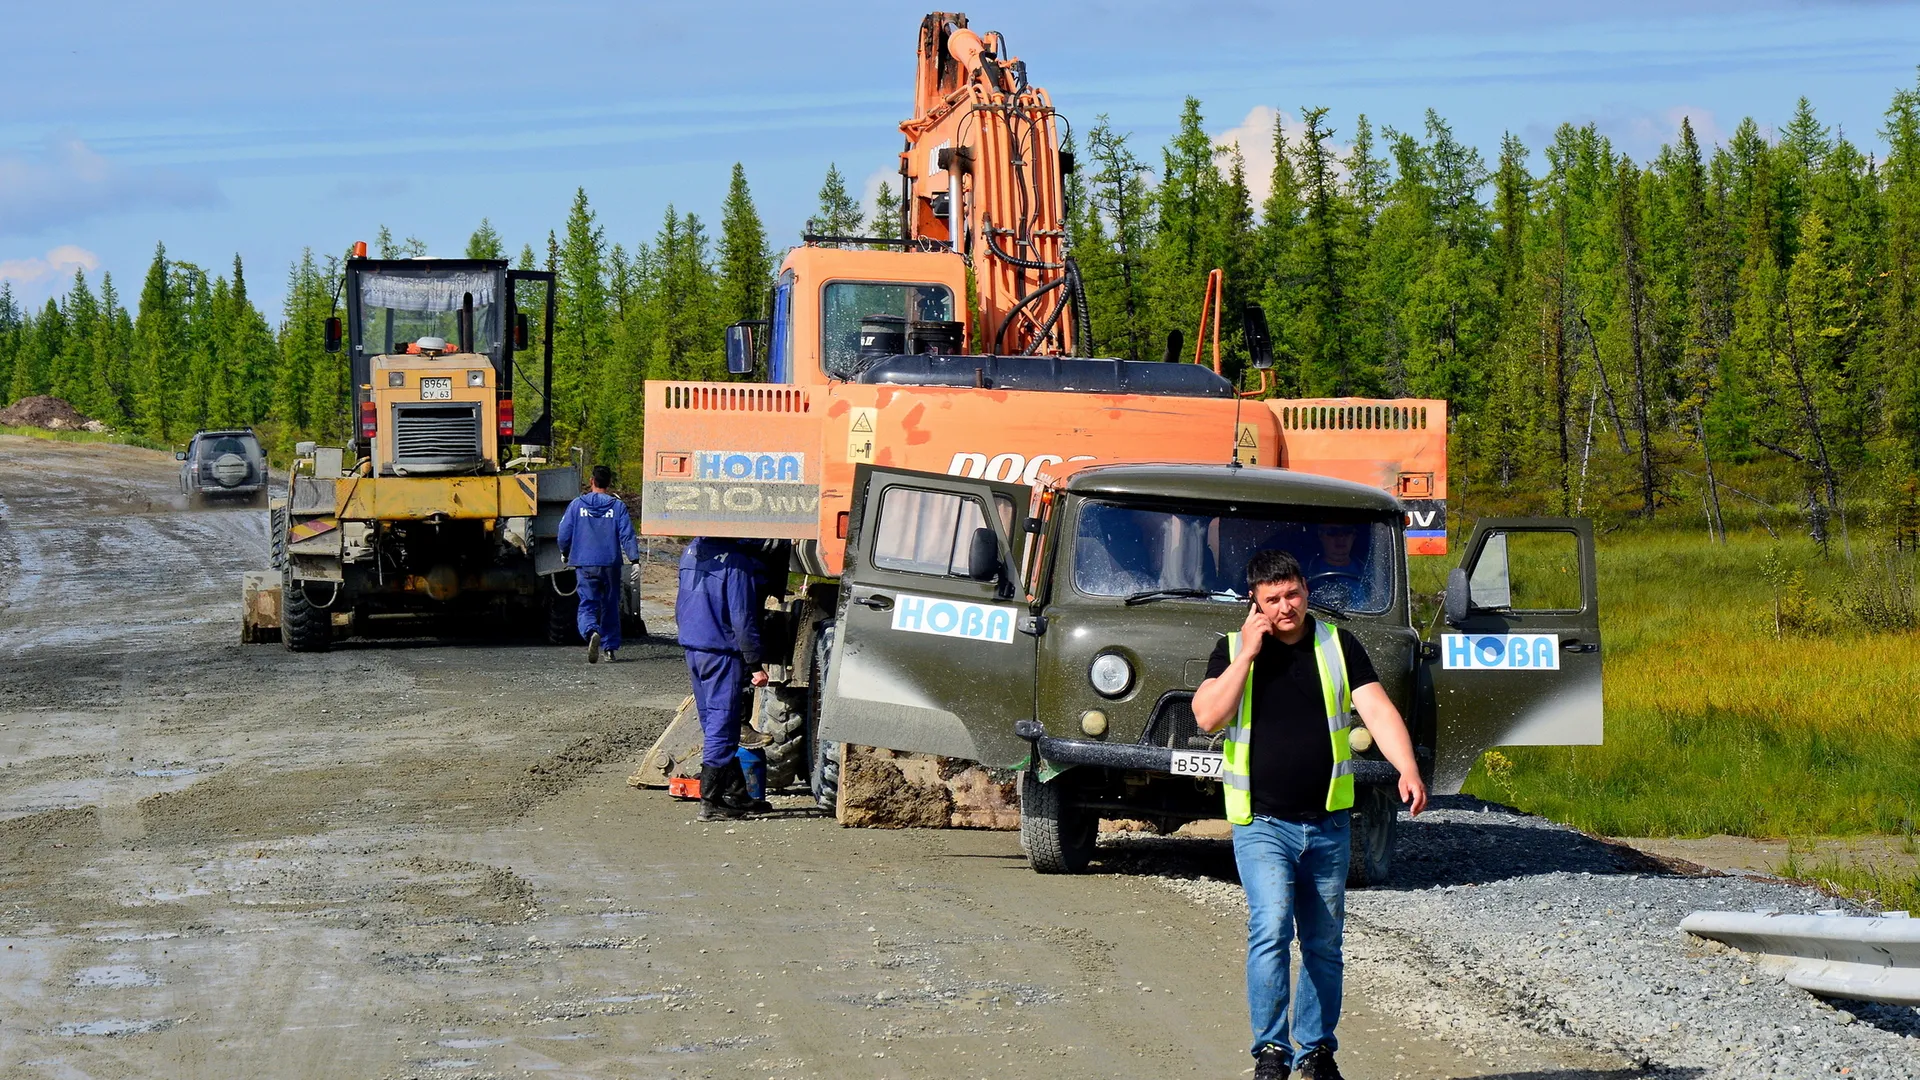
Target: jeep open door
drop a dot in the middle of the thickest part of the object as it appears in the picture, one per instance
(929, 655)
(1519, 658)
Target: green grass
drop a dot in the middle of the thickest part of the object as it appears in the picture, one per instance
(83, 437)
(1892, 890)
(1714, 725)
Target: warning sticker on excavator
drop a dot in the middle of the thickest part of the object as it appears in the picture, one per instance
(310, 528)
(860, 434)
(1246, 444)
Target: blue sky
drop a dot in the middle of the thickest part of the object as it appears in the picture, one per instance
(255, 128)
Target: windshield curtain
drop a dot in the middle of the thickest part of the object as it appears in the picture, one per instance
(1124, 550)
(845, 303)
(398, 307)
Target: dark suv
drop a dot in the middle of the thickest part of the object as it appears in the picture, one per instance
(223, 465)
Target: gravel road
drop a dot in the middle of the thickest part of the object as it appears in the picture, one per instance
(419, 858)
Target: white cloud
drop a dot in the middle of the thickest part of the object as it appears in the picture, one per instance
(47, 274)
(68, 181)
(870, 190)
(1254, 135)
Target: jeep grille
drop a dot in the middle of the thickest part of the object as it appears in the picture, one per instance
(1172, 726)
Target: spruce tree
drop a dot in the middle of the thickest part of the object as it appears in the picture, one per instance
(582, 336)
(1116, 272)
(744, 264)
(158, 351)
(485, 243)
(839, 213)
(886, 216)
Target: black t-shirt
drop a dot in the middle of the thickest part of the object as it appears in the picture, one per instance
(1292, 755)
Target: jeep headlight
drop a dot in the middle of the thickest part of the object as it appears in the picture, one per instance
(1110, 674)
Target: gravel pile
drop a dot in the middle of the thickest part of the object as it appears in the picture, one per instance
(1498, 920)
(47, 412)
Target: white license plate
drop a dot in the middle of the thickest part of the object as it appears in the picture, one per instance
(1199, 763)
(436, 389)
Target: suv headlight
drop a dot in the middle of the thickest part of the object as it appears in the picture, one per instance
(1110, 674)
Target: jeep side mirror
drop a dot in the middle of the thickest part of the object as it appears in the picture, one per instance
(983, 556)
(1253, 332)
(521, 335)
(739, 349)
(333, 333)
(1458, 603)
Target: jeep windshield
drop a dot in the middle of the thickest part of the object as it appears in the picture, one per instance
(1145, 554)
(399, 307)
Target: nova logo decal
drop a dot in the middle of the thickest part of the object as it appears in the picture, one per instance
(953, 618)
(1006, 468)
(1487, 652)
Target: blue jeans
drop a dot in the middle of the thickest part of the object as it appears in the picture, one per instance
(1296, 877)
(599, 589)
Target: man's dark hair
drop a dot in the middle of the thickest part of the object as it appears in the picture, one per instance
(1272, 566)
(602, 477)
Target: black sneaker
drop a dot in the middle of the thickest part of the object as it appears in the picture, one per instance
(612, 656)
(593, 647)
(1318, 1065)
(1272, 1063)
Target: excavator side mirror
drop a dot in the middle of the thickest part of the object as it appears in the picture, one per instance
(1173, 347)
(521, 333)
(739, 349)
(1253, 331)
(333, 333)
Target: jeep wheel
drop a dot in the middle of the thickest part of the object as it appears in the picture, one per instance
(1059, 838)
(1376, 816)
(780, 715)
(822, 757)
(304, 627)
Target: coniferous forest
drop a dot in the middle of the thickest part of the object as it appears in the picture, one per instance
(1621, 337)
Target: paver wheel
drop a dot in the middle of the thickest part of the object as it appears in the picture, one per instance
(1059, 837)
(563, 612)
(781, 716)
(304, 627)
(1376, 816)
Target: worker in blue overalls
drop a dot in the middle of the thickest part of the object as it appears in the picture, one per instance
(594, 533)
(722, 590)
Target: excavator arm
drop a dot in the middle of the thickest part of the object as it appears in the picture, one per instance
(983, 174)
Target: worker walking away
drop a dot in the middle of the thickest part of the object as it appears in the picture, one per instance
(718, 609)
(594, 534)
(1286, 687)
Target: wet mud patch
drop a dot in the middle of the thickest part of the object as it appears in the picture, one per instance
(52, 840)
(475, 892)
(256, 802)
(874, 792)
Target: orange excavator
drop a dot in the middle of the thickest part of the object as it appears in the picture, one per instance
(959, 349)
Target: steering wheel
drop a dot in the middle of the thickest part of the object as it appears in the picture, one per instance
(1336, 588)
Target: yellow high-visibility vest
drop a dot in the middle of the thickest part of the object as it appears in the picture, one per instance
(1237, 780)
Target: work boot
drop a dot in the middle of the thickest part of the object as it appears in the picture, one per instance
(713, 795)
(593, 647)
(732, 781)
(1318, 1065)
(612, 656)
(1272, 1063)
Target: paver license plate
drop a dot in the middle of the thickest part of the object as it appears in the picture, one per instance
(436, 389)
(1198, 763)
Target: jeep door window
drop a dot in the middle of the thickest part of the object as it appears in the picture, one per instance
(399, 307)
(844, 303)
(930, 532)
(1122, 551)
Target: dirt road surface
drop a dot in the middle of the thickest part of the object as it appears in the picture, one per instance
(420, 859)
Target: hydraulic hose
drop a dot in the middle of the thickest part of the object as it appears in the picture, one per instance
(1000, 335)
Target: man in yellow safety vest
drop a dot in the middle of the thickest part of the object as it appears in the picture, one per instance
(1289, 787)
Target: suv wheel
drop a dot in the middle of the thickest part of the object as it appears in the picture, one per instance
(824, 757)
(1059, 837)
(1376, 816)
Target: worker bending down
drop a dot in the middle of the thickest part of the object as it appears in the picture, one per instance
(719, 615)
(594, 533)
